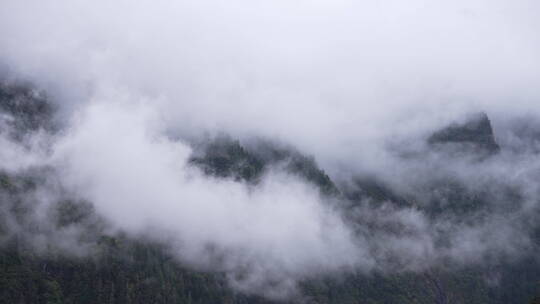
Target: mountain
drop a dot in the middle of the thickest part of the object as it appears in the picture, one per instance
(226, 158)
(124, 269)
(474, 135)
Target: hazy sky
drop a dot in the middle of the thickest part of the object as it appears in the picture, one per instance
(319, 74)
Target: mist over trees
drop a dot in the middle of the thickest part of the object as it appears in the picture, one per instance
(269, 151)
(57, 249)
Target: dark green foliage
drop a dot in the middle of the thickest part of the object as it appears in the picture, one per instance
(72, 213)
(123, 272)
(295, 163)
(136, 272)
(306, 168)
(373, 191)
(24, 109)
(227, 158)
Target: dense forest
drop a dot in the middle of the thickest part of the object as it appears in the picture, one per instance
(120, 268)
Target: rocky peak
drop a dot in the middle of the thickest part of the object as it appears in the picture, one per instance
(475, 134)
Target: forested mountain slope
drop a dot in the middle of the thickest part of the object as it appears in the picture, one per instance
(106, 267)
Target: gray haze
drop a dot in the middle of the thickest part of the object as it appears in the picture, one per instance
(356, 84)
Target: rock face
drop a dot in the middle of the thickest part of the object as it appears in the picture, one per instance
(474, 135)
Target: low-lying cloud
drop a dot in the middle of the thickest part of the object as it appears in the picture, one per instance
(358, 85)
